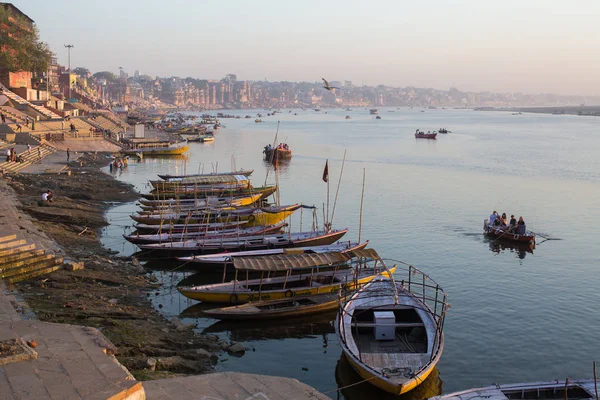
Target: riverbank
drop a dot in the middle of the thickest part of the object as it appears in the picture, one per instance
(557, 110)
(111, 293)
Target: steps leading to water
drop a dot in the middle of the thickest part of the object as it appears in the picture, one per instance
(29, 157)
(20, 261)
(18, 99)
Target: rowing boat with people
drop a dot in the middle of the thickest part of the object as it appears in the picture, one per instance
(503, 233)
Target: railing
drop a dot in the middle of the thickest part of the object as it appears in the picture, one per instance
(408, 281)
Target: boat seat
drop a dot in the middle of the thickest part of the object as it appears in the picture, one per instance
(395, 325)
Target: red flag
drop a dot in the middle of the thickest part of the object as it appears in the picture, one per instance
(326, 172)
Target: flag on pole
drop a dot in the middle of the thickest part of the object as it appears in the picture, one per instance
(326, 172)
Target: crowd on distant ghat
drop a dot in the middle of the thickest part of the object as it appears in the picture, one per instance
(511, 226)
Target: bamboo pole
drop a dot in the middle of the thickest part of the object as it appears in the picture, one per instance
(338, 188)
(595, 380)
(362, 198)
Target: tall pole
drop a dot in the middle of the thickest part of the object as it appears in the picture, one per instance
(69, 47)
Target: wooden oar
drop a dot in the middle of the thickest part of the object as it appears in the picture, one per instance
(545, 237)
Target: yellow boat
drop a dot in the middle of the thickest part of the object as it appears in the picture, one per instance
(178, 205)
(391, 331)
(310, 283)
(257, 216)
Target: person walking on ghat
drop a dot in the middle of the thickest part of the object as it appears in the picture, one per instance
(3, 118)
(68, 154)
(39, 154)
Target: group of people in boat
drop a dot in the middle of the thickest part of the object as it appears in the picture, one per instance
(269, 148)
(513, 225)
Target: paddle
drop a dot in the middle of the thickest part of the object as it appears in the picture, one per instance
(545, 237)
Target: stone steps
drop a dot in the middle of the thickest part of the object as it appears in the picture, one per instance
(17, 250)
(29, 259)
(20, 256)
(20, 261)
(14, 243)
(17, 273)
(36, 272)
(28, 159)
(7, 238)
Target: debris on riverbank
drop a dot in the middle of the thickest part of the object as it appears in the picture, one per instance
(110, 292)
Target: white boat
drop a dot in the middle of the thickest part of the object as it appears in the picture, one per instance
(575, 389)
(391, 332)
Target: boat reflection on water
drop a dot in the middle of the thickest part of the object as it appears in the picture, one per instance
(282, 165)
(352, 387)
(292, 328)
(520, 250)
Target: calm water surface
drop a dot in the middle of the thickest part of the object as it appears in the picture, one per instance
(515, 316)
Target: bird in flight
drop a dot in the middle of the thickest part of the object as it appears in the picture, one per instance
(329, 87)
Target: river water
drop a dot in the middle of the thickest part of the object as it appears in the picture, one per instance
(515, 315)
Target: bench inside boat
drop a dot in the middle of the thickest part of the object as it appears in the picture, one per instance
(389, 331)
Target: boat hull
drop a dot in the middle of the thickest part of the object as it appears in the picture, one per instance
(426, 135)
(245, 312)
(158, 151)
(499, 234)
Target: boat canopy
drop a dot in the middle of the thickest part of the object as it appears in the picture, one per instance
(284, 262)
(291, 260)
(207, 180)
(365, 253)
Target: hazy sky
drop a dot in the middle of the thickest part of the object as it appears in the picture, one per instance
(531, 46)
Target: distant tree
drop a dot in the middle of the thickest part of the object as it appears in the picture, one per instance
(20, 45)
(81, 71)
(109, 76)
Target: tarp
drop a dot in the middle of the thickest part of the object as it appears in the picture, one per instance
(283, 262)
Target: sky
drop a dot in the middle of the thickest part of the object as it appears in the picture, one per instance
(528, 46)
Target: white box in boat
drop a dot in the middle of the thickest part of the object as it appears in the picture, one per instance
(384, 325)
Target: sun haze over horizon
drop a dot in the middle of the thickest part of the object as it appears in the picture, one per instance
(528, 46)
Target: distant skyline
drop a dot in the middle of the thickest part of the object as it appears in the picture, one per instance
(528, 46)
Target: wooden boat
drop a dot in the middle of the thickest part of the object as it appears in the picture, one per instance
(391, 332)
(443, 130)
(157, 148)
(177, 228)
(378, 117)
(186, 192)
(557, 390)
(502, 234)
(290, 285)
(286, 308)
(167, 237)
(203, 182)
(254, 216)
(281, 154)
(373, 111)
(202, 138)
(167, 177)
(423, 135)
(171, 206)
(226, 258)
(256, 242)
